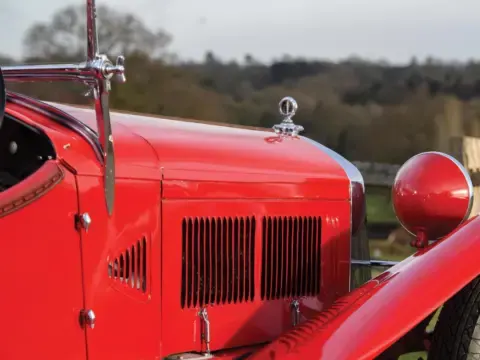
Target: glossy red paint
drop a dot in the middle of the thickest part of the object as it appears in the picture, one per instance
(167, 170)
(69, 147)
(127, 267)
(203, 166)
(41, 269)
(205, 155)
(126, 315)
(377, 314)
(432, 195)
(244, 323)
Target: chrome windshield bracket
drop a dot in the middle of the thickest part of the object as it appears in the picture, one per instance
(96, 73)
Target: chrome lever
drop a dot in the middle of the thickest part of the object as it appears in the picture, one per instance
(117, 70)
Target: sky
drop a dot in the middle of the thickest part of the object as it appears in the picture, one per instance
(393, 30)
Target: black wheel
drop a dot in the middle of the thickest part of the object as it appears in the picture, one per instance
(457, 332)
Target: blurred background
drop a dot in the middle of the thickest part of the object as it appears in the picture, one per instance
(376, 81)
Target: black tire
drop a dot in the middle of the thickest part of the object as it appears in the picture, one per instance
(457, 332)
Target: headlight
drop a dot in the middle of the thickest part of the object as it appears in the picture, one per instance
(432, 195)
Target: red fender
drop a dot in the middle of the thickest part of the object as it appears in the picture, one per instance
(364, 323)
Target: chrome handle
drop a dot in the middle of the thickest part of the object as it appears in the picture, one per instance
(117, 70)
(89, 318)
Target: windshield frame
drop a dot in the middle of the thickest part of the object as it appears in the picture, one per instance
(60, 117)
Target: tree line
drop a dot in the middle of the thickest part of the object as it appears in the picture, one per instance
(367, 111)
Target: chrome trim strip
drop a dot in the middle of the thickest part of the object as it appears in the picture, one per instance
(49, 72)
(354, 175)
(468, 179)
(381, 263)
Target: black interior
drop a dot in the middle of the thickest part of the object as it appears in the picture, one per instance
(23, 149)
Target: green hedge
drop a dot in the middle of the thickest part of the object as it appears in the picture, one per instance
(379, 205)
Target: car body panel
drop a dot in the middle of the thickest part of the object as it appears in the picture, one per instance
(69, 146)
(187, 151)
(128, 317)
(40, 263)
(189, 237)
(381, 311)
(164, 176)
(158, 183)
(239, 322)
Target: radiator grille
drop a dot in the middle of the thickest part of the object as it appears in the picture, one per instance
(217, 261)
(291, 257)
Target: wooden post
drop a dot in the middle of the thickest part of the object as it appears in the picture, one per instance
(449, 124)
(475, 127)
(454, 116)
(466, 149)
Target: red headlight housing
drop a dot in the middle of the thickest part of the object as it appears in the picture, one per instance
(432, 195)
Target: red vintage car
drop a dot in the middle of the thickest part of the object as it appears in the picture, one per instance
(129, 236)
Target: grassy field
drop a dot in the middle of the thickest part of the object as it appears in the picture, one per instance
(379, 204)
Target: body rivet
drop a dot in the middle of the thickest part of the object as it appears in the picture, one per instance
(84, 221)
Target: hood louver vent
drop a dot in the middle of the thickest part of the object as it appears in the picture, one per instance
(217, 261)
(130, 267)
(291, 257)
